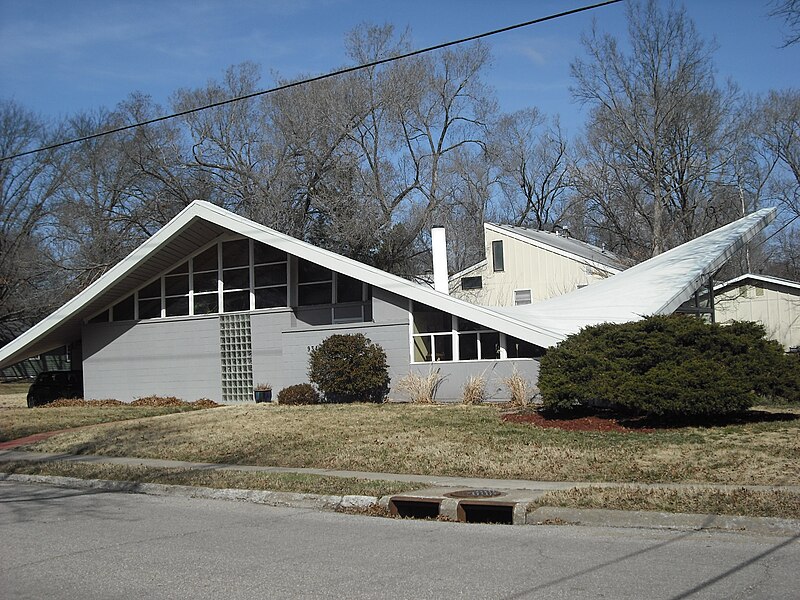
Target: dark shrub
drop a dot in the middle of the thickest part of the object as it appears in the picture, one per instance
(302, 393)
(665, 366)
(349, 368)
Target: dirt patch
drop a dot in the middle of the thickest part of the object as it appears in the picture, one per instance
(576, 423)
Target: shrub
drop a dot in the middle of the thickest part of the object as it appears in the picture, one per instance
(349, 368)
(665, 366)
(474, 390)
(421, 389)
(521, 389)
(302, 393)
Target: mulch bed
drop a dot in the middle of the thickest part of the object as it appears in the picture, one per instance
(153, 401)
(576, 423)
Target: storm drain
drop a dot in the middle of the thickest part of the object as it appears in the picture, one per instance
(486, 512)
(479, 493)
(413, 508)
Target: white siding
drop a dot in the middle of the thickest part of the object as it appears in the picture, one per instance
(777, 309)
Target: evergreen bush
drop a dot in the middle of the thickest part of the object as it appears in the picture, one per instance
(302, 393)
(349, 368)
(661, 365)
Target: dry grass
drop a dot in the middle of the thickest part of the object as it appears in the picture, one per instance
(421, 389)
(448, 440)
(20, 422)
(474, 390)
(13, 395)
(521, 389)
(740, 502)
(280, 482)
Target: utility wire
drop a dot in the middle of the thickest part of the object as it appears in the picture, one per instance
(313, 79)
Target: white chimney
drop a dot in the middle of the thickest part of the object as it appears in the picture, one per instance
(441, 281)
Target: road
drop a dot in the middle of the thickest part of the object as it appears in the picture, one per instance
(62, 543)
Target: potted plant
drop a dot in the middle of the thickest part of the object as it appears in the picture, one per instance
(262, 392)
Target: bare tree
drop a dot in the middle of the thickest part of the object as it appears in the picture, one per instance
(531, 158)
(29, 285)
(657, 122)
(789, 11)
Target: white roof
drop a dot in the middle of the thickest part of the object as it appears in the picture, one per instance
(658, 285)
(786, 283)
(655, 287)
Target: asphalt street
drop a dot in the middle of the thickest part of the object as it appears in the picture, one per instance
(64, 543)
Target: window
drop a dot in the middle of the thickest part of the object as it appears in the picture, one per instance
(314, 284)
(433, 334)
(150, 300)
(176, 291)
(205, 279)
(522, 297)
(471, 283)
(270, 276)
(475, 342)
(497, 256)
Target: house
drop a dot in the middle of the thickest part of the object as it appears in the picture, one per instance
(525, 266)
(213, 303)
(773, 302)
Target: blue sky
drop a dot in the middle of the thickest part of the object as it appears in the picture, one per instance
(62, 57)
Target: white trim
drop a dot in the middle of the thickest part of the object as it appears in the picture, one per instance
(474, 267)
(763, 278)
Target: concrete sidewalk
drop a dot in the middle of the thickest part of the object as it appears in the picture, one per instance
(530, 490)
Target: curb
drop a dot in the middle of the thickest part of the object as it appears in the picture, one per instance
(270, 498)
(545, 515)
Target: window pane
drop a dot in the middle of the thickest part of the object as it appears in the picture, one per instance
(205, 304)
(235, 301)
(468, 346)
(497, 255)
(177, 306)
(429, 320)
(347, 289)
(205, 282)
(315, 293)
(182, 268)
(271, 297)
(308, 272)
(236, 279)
(422, 348)
(266, 254)
(471, 283)
(236, 253)
(444, 347)
(270, 275)
(150, 309)
(151, 290)
(520, 349)
(175, 285)
(123, 310)
(490, 345)
(206, 260)
(464, 325)
(101, 318)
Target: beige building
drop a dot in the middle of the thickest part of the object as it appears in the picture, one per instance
(773, 302)
(524, 266)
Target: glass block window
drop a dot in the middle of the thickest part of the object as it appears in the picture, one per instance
(237, 357)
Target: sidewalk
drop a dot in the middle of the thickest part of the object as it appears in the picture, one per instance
(529, 490)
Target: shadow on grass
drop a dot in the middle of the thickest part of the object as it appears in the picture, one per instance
(600, 419)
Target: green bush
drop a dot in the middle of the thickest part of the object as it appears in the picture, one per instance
(349, 368)
(302, 393)
(666, 366)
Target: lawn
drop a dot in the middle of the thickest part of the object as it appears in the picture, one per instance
(16, 420)
(449, 440)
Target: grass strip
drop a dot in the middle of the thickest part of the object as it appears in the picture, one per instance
(469, 441)
(738, 502)
(219, 479)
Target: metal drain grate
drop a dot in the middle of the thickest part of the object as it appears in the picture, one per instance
(480, 493)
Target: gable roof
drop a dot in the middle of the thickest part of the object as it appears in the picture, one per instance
(577, 250)
(200, 223)
(752, 277)
(657, 286)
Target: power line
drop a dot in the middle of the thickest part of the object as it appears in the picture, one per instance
(313, 79)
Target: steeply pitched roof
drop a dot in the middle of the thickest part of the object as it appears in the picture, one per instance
(198, 224)
(563, 245)
(655, 287)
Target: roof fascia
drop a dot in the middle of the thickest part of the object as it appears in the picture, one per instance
(764, 278)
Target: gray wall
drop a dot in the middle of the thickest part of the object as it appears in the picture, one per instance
(129, 360)
(454, 374)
